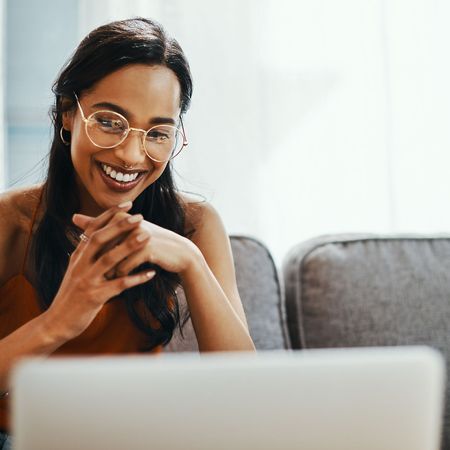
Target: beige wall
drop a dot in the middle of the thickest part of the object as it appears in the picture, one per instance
(312, 117)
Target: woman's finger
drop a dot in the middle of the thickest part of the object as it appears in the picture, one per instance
(100, 221)
(118, 285)
(109, 260)
(125, 266)
(115, 219)
(92, 245)
(82, 221)
(110, 274)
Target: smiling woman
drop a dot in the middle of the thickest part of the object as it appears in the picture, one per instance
(106, 240)
(146, 96)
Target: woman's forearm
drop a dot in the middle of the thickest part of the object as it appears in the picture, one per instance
(216, 324)
(36, 337)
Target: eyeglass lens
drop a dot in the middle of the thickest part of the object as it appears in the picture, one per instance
(107, 129)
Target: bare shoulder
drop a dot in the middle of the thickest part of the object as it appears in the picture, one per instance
(205, 228)
(18, 205)
(16, 211)
(200, 215)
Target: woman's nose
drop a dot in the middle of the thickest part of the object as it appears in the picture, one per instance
(131, 150)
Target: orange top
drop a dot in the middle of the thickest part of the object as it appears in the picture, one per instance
(111, 332)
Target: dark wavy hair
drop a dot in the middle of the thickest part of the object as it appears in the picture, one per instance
(101, 52)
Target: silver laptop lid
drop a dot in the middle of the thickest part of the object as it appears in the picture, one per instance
(346, 399)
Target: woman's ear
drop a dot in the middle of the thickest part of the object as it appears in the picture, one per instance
(68, 114)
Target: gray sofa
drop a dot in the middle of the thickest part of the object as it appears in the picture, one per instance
(262, 296)
(365, 290)
(346, 291)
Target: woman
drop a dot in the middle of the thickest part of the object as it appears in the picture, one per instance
(103, 280)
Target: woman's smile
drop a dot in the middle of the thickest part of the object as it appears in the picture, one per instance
(118, 179)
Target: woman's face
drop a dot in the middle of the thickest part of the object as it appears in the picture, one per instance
(146, 96)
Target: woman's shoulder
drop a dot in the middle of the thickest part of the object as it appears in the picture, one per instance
(195, 207)
(200, 215)
(17, 206)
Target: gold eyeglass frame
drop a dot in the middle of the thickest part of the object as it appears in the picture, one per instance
(129, 128)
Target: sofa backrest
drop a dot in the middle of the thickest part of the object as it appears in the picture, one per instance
(370, 290)
(261, 293)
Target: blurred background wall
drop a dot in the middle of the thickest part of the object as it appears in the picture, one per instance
(308, 117)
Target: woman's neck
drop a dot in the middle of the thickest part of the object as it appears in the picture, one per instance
(88, 205)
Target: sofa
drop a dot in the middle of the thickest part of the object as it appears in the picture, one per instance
(347, 290)
(262, 294)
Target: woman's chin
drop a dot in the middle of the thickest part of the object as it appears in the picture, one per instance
(97, 198)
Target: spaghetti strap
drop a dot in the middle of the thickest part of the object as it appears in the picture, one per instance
(31, 232)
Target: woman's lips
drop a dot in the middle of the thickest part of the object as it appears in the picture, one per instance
(119, 186)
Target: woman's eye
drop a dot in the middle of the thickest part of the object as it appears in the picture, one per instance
(157, 135)
(108, 124)
(111, 123)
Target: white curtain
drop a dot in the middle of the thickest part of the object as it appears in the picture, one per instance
(312, 117)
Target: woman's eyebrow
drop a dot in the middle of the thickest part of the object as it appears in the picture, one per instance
(127, 114)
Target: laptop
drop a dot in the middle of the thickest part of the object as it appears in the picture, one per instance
(339, 399)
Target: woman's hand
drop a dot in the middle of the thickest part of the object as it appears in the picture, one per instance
(167, 249)
(163, 247)
(85, 289)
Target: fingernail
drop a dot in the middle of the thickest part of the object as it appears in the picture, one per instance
(135, 218)
(150, 274)
(142, 237)
(125, 204)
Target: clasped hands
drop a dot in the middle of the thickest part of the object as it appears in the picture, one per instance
(164, 248)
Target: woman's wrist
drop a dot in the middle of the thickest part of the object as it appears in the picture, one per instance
(53, 332)
(195, 261)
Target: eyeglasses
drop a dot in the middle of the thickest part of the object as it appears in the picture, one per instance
(108, 129)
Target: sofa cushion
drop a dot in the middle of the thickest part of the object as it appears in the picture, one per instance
(261, 294)
(370, 290)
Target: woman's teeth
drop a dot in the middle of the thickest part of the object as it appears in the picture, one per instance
(119, 176)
